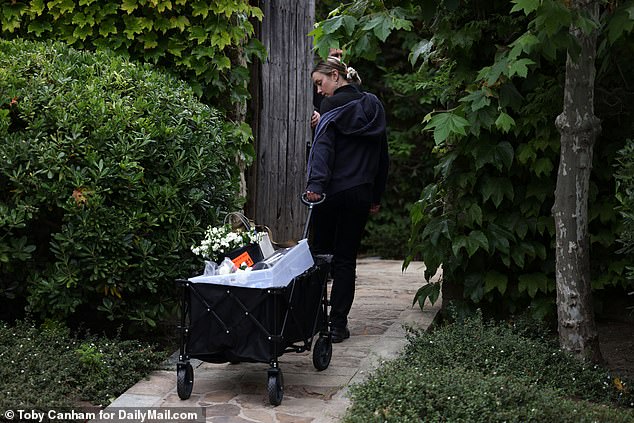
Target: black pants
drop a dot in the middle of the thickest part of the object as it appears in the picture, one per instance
(337, 228)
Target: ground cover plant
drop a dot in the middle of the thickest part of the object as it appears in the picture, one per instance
(47, 367)
(477, 371)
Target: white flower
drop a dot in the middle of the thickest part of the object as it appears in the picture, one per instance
(222, 239)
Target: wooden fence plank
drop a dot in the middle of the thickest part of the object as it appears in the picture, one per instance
(282, 118)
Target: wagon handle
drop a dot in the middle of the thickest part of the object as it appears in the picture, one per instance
(310, 205)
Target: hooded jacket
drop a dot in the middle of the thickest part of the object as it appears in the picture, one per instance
(350, 148)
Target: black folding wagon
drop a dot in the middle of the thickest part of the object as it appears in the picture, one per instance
(224, 323)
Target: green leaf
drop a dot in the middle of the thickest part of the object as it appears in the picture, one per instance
(445, 124)
(553, 17)
(373, 21)
(504, 154)
(496, 189)
(474, 212)
(471, 243)
(546, 223)
(37, 6)
(493, 73)
(543, 166)
(60, 7)
(179, 22)
(518, 256)
(475, 241)
(434, 229)
(129, 6)
(350, 23)
(430, 290)
(500, 237)
(444, 166)
(527, 6)
(458, 243)
(533, 282)
(107, 27)
(499, 155)
(422, 49)
(416, 213)
(521, 228)
(200, 8)
(198, 33)
(493, 280)
(149, 40)
(484, 153)
(526, 153)
(398, 24)
(135, 25)
(520, 67)
(477, 99)
(474, 287)
(383, 30)
(586, 24)
(524, 44)
(364, 45)
(39, 27)
(621, 22)
(504, 122)
(330, 26)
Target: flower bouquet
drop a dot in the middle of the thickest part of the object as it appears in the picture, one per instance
(223, 241)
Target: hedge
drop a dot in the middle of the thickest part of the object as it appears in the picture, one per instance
(109, 171)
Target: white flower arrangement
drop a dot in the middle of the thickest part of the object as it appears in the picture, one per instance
(221, 240)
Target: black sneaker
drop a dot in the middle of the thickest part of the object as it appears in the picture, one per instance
(339, 334)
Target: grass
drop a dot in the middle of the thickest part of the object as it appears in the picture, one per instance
(476, 371)
(45, 366)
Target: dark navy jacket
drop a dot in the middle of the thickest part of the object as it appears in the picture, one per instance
(350, 148)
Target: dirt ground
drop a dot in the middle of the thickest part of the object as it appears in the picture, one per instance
(616, 340)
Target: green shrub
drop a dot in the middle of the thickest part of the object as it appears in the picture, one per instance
(625, 195)
(194, 39)
(479, 372)
(47, 367)
(109, 171)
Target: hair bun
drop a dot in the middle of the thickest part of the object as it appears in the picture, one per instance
(351, 72)
(352, 75)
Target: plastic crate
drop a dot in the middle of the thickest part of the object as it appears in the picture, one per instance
(276, 271)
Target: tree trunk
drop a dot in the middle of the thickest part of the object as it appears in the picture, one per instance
(579, 128)
(282, 106)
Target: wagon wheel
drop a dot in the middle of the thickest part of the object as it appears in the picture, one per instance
(184, 380)
(322, 353)
(275, 386)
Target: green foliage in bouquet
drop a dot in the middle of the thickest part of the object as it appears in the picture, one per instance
(108, 172)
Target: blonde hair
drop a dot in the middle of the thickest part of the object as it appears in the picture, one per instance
(334, 63)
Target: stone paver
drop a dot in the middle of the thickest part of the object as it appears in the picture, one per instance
(238, 392)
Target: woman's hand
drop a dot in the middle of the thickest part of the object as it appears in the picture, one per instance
(314, 119)
(313, 197)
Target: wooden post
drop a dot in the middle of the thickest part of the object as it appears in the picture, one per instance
(281, 107)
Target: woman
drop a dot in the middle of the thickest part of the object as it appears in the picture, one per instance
(348, 164)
